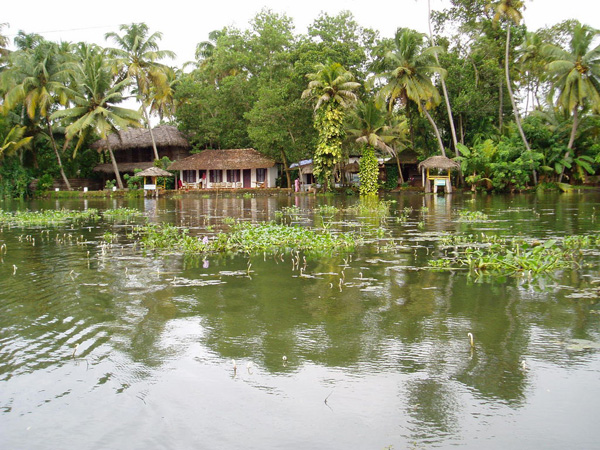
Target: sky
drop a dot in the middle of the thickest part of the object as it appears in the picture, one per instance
(185, 23)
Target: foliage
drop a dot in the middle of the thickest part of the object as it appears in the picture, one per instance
(369, 172)
(47, 217)
(516, 255)
(245, 237)
(14, 179)
(133, 181)
(391, 177)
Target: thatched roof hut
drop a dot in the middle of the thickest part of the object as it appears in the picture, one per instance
(439, 162)
(154, 172)
(164, 136)
(241, 158)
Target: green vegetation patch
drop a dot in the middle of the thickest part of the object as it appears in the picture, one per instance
(48, 217)
(246, 237)
(514, 255)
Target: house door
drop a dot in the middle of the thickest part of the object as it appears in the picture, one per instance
(247, 175)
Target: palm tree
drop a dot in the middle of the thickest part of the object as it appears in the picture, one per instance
(332, 88)
(410, 67)
(510, 10)
(444, 89)
(575, 77)
(37, 78)
(532, 67)
(3, 46)
(14, 141)
(375, 128)
(138, 56)
(95, 95)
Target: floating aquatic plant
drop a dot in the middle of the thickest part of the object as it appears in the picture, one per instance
(510, 255)
(121, 214)
(50, 217)
(249, 238)
(471, 216)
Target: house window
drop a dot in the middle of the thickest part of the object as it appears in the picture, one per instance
(216, 176)
(189, 176)
(261, 175)
(233, 176)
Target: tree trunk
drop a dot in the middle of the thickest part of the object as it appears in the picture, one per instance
(60, 166)
(435, 129)
(400, 176)
(147, 119)
(115, 167)
(286, 169)
(571, 139)
(513, 103)
(444, 90)
(501, 106)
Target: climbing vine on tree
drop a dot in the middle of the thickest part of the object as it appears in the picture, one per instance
(329, 123)
(369, 172)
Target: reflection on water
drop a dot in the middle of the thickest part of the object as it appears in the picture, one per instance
(102, 346)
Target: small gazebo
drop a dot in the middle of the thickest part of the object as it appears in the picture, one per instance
(439, 163)
(153, 173)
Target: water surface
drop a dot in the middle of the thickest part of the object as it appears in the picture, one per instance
(376, 343)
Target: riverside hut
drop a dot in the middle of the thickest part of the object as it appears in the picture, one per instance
(133, 148)
(430, 169)
(231, 169)
(150, 177)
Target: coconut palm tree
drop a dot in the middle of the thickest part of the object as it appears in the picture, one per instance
(13, 141)
(37, 78)
(510, 11)
(137, 58)
(410, 67)
(444, 89)
(3, 46)
(575, 77)
(370, 130)
(373, 127)
(332, 88)
(95, 97)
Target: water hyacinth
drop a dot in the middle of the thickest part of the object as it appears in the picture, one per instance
(122, 214)
(47, 217)
(249, 238)
(503, 255)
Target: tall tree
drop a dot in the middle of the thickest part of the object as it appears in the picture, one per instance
(575, 77)
(410, 67)
(332, 88)
(95, 97)
(138, 55)
(37, 78)
(510, 11)
(372, 127)
(443, 82)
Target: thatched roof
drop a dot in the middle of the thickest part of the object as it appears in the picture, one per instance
(241, 158)
(154, 172)
(405, 157)
(123, 167)
(164, 136)
(439, 162)
(352, 167)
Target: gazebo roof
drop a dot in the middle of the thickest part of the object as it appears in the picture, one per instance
(154, 172)
(240, 158)
(164, 136)
(439, 162)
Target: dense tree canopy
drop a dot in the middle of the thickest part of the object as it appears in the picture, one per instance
(523, 103)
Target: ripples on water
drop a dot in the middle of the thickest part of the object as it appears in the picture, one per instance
(380, 359)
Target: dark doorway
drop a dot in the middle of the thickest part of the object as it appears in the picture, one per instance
(247, 178)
